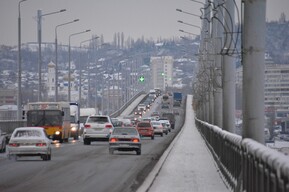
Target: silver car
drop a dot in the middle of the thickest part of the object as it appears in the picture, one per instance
(29, 141)
(125, 139)
(97, 127)
(2, 142)
(158, 128)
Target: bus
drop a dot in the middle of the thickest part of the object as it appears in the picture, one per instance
(54, 117)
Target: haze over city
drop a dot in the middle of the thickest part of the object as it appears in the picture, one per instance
(149, 19)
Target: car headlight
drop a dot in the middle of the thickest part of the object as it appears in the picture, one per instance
(73, 128)
(57, 132)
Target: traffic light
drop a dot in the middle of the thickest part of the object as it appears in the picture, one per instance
(141, 79)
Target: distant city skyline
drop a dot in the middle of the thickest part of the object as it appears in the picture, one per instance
(151, 19)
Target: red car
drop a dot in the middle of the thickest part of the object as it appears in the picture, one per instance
(145, 129)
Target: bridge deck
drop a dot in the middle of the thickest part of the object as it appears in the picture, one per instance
(187, 165)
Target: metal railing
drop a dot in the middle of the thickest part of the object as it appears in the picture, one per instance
(122, 108)
(246, 164)
(8, 126)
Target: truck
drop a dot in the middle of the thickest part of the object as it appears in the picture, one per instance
(177, 99)
(84, 114)
(54, 117)
(165, 99)
(74, 120)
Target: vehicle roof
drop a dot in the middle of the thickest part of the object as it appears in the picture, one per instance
(98, 115)
(164, 120)
(143, 122)
(28, 128)
(124, 129)
(155, 122)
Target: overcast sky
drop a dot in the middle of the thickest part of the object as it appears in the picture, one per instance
(135, 18)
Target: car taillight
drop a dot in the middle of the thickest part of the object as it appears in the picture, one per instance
(13, 144)
(87, 126)
(40, 144)
(113, 140)
(108, 126)
(135, 140)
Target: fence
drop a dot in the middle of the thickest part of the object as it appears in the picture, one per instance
(246, 164)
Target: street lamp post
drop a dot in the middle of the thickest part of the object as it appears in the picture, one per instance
(189, 24)
(188, 32)
(180, 10)
(80, 72)
(69, 60)
(19, 95)
(39, 21)
(198, 2)
(56, 57)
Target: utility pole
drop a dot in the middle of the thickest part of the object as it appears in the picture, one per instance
(253, 69)
(229, 71)
(217, 76)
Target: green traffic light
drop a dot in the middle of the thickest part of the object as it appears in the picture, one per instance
(141, 78)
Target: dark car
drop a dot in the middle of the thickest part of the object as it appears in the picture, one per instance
(3, 140)
(171, 117)
(125, 139)
(145, 129)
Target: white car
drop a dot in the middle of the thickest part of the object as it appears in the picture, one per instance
(29, 141)
(158, 128)
(97, 127)
(167, 125)
(2, 142)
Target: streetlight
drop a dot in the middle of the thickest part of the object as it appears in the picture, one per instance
(189, 24)
(198, 2)
(69, 64)
(179, 10)
(187, 32)
(80, 73)
(39, 20)
(56, 58)
(19, 96)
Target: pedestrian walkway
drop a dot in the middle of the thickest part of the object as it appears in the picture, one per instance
(187, 165)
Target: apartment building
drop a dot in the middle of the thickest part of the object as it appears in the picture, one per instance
(162, 71)
(276, 91)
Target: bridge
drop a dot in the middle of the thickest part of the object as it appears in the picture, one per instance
(217, 159)
(203, 157)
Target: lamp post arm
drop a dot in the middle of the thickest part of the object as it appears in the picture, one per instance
(62, 10)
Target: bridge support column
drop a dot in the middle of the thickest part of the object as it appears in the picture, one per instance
(253, 69)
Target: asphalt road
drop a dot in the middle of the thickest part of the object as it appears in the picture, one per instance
(78, 167)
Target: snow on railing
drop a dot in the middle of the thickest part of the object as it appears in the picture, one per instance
(246, 164)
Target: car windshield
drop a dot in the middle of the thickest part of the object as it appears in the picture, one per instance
(97, 120)
(124, 131)
(28, 133)
(144, 125)
(156, 123)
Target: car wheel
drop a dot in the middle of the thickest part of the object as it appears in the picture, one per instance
(60, 140)
(86, 142)
(138, 152)
(153, 137)
(43, 157)
(162, 134)
(111, 151)
(3, 150)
